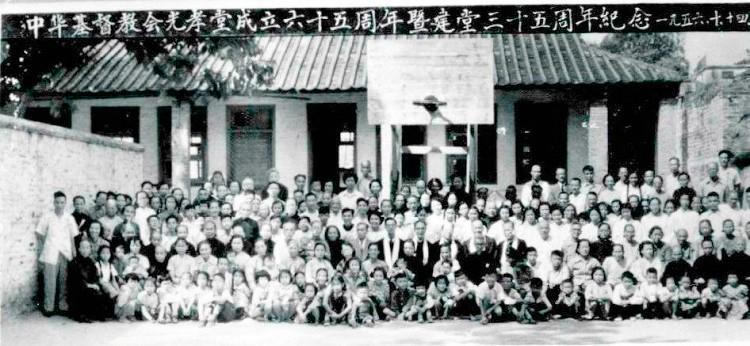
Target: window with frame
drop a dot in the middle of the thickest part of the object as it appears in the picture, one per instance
(455, 137)
(413, 167)
(120, 123)
(198, 136)
(44, 115)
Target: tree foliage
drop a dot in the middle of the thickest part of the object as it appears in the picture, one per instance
(30, 65)
(664, 49)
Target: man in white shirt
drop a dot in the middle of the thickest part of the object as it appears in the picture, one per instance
(560, 186)
(142, 212)
(648, 189)
(656, 218)
(55, 232)
(622, 180)
(684, 218)
(713, 183)
(246, 195)
(670, 178)
(544, 242)
(588, 184)
(713, 214)
(350, 195)
(536, 179)
(364, 182)
(577, 198)
(728, 174)
(731, 209)
(110, 220)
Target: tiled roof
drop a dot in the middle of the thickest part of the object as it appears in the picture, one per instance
(338, 63)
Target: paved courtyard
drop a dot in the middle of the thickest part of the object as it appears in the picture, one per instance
(33, 329)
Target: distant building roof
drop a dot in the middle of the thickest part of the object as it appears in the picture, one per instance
(338, 63)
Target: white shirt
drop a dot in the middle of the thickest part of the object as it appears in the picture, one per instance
(618, 229)
(685, 219)
(589, 231)
(495, 232)
(349, 199)
(544, 247)
(579, 202)
(650, 220)
(526, 191)
(241, 199)
(141, 219)
(58, 233)
(715, 217)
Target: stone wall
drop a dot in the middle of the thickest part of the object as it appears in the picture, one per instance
(37, 160)
(718, 118)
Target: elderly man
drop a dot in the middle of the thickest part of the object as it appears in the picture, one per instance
(365, 168)
(55, 233)
(560, 186)
(536, 179)
(110, 220)
(713, 183)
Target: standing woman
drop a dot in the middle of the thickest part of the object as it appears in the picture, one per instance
(633, 188)
(608, 193)
(435, 185)
(85, 297)
(647, 260)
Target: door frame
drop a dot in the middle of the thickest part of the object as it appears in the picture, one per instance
(311, 158)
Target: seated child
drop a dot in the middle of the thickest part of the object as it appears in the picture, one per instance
(148, 300)
(400, 296)
(464, 297)
(733, 305)
(598, 295)
(284, 297)
(649, 291)
(364, 311)
(169, 301)
(134, 267)
(688, 299)
(710, 298)
(380, 291)
(240, 294)
(260, 305)
(487, 295)
(539, 306)
(220, 307)
(187, 293)
(668, 297)
(308, 308)
(569, 303)
(336, 302)
(127, 299)
(441, 294)
(108, 275)
(204, 297)
(512, 305)
(626, 300)
(419, 305)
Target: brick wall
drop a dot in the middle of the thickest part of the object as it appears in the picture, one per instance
(704, 134)
(668, 133)
(38, 160)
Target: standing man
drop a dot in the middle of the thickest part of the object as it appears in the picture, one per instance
(560, 186)
(536, 179)
(588, 184)
(671, 183)
(714, 183)
(364, 182)
(300, 182)
(56, 232)
(728, 174)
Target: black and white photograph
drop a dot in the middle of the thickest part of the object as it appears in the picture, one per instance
(364, 173)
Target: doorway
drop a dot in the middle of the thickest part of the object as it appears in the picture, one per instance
(250, 142)
(332, 129)
(632, 131)
(541, 137)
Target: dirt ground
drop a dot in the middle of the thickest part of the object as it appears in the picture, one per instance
(34, 329)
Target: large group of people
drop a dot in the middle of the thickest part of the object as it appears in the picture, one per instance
(635, 245)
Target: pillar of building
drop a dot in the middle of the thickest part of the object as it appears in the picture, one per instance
(668, 134)
(181, 147)
(390, 158)
(598, 135)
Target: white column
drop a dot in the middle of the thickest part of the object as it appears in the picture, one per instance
(216, 131)
(149, 138)
(181, 147)
(598, 136)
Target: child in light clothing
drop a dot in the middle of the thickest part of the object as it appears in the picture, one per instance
(308, 308)
(688, 299)
(127, 299)
(626, 300)
(260, 305)
(187, 293)
(240, 294)
(419, 306)
(733, 305)
(569, 303)
(650, 290)
(169, 301)
(148, 300)
(598, 295)
(710, 298)
(364, 310)
(284, 298)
